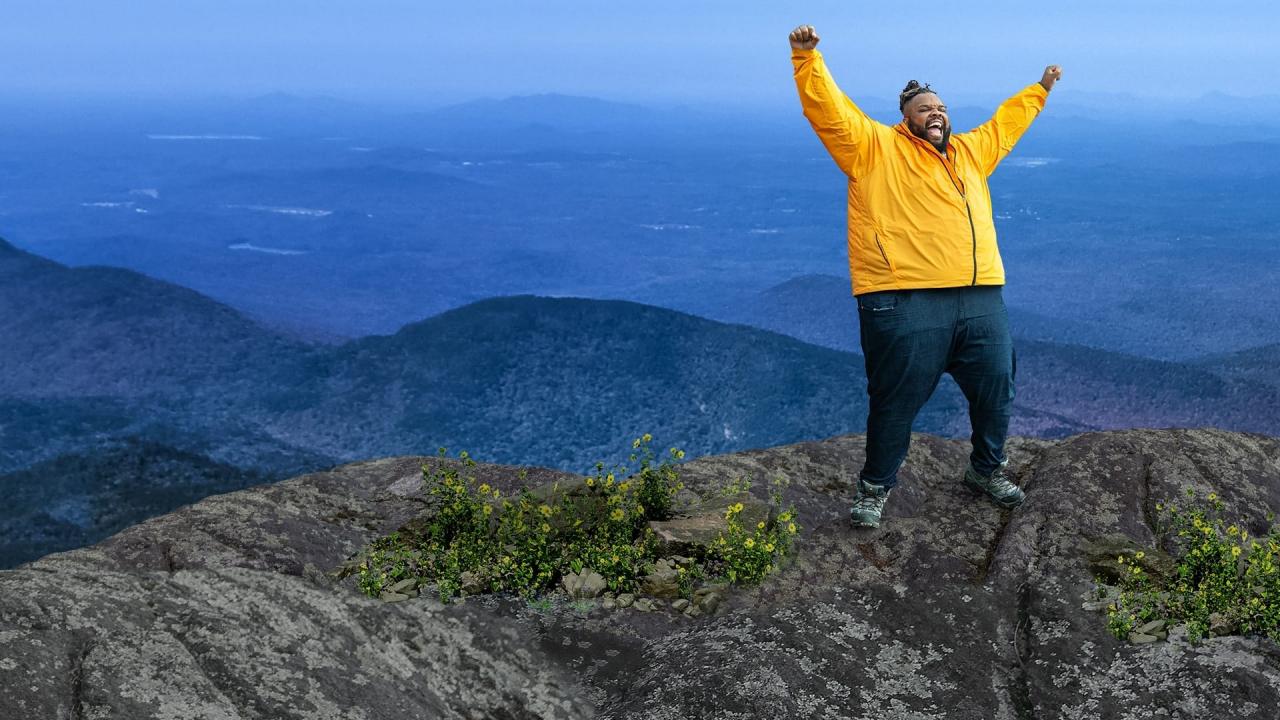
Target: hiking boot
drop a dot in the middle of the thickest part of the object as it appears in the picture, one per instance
(868, 504)
(1006, 494)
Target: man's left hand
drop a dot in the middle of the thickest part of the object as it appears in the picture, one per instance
(1052, 74)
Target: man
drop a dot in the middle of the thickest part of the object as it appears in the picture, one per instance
(925, 268)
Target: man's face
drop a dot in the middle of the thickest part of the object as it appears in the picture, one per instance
(927, 119)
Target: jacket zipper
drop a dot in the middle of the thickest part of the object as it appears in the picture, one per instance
(886, 257)
(973, 234)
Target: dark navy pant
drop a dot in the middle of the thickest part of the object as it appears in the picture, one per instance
(911, 337)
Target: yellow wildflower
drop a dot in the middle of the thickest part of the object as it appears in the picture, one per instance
(1233, 530)
(639, 509)
(484, 488)
(737, 507)
(749, 542)
(546, 528)
(488, 510)
(1139, 555)
(635, 443)
(760, 524)
(1235, 551)
(624, 486)
(545, 510)
(1213, 496)
(1207, 530)
(617, 514)
(768, 547)
(1120, 559)
(1136, 570)
(608, 479)
(679, 454)
(591, 482)
(1159, 506)
(646, 437)
(791, 528)
(615, 558)
(784, 517)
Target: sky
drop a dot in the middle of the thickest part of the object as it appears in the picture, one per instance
(428, 53)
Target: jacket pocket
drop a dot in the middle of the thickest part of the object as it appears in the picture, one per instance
(884, 255)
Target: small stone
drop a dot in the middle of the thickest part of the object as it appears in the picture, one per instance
(1220, 625)
(1138, 638)
(643, 605)
(608, 603)
(679, 605)
(584, 585)
(392, 597)
(1151, 628)
(404, 586)
(472, 583)
(692, 610)
(626, 599)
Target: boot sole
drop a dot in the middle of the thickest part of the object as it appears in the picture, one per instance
(863, 523)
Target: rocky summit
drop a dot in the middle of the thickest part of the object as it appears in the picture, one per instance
(953, 608)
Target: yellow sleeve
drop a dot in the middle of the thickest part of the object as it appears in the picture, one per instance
(993, 139)
(844, 129)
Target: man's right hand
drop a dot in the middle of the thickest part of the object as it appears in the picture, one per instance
(804, 38)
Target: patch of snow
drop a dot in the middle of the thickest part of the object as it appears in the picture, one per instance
(268, 250)
(296, 211)
(205, 137)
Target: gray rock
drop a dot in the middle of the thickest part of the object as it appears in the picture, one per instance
(473, 583)
(952, 609)
(391, 597)
(1138, 638)
(643, 604)
(626, 599)
(662, 581)
(1220, 624)
(608, 603)
(695, 529)
(1151, 628)
(584, 585)
(679, 604)
(404, 586)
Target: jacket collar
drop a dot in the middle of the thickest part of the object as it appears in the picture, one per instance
(948, 161)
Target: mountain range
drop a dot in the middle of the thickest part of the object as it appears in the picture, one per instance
(97, 360)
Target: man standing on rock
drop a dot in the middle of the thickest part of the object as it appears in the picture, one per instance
(925, 268)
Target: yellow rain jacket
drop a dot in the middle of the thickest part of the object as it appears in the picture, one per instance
(916, 219)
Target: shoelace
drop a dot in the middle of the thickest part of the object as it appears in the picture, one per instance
(1000, 483)
(870, 502)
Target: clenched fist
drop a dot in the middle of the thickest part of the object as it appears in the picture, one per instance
(1052, 74)
(804, 38)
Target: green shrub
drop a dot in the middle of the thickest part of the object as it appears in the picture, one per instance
(477, 538)
(1223, 576)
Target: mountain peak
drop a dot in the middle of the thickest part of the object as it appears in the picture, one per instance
(1002, 591)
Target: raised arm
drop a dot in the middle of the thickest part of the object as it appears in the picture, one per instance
(992, 140)
(842, 127)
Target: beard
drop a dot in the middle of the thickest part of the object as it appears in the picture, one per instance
(922, 132)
